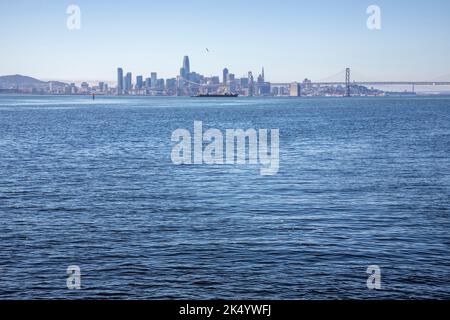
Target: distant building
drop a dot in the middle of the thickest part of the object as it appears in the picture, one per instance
(275, 91)
(264, 89)
(260, 80)
(84, 87)
(154, 77)
(295, 89)
(128, 82)
(119, 81)
(307, 84)
(171, 85)
(225, 76)
(185, 70)
(215, 80)
(251, 85)
(195, 77)
(148, 83)
(232, 82)
(160, 84)
(139, 82)
(73, 88)
(186, 65)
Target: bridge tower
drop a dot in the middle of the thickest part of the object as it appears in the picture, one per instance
(347, 82)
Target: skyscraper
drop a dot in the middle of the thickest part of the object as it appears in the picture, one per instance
(139, 82)
(261, 77)
(225, 76)
(154, 77)
(186, 65)
(128, 82)
(119, 81)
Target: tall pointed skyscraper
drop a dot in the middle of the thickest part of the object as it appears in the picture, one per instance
(186, 65)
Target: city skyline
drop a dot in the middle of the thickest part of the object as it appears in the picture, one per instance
(189, 82)
(294, 40)
(192, 83)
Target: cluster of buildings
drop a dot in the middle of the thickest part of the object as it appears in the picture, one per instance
(61, 88)
(189, 83)
(85, 88)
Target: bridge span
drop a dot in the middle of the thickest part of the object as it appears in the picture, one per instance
(373, 83)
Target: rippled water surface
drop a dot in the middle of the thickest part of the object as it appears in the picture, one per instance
(362, 181)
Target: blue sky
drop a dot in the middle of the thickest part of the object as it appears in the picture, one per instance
(292, 39)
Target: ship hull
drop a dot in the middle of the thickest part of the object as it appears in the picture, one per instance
(216, 96)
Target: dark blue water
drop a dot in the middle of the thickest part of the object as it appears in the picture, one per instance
(362, 181)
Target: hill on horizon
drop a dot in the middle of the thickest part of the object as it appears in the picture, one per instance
(18, 81)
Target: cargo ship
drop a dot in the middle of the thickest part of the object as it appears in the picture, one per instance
(208, 95)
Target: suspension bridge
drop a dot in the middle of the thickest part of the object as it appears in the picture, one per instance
(348, 81)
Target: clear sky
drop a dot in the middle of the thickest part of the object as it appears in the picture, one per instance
(292, 39)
